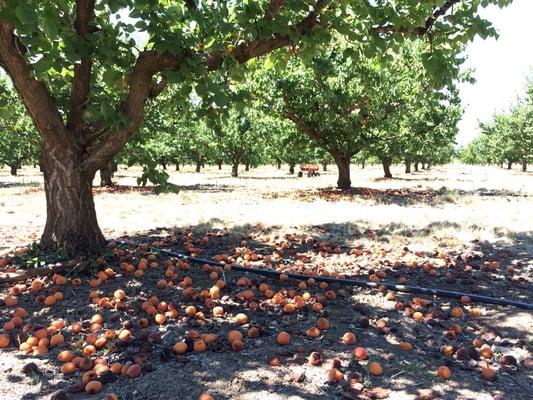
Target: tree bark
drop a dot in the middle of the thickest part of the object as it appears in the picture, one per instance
(386, 168)
(235, 170)
(247, 167)
(279, 164)
(71, 221)
(291, 168)
(423, 166)
(363, 164)
(524, 165)
(324, 167)
(509, 164)
(198, 166)
(177, 166)
(343, 164)
(164, 165)
(219, 165)
(13, 170)
(416, 166)
(428, 166)
(407, 167)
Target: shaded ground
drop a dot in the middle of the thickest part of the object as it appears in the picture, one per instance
(470, 241)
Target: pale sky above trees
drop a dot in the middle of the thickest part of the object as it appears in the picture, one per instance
(500, 66)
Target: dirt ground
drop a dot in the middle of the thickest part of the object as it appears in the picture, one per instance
(455, 227)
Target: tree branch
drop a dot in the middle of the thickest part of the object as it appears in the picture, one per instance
(273, 8)
(149, 63)
(421, 30)
(33, 93)
(79, 96)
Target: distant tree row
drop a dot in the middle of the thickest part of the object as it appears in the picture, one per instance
(507, 138)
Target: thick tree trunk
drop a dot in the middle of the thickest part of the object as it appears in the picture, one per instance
(13, 170)
(509, 164)
(407, 167)
(106, 175)
(291, 168)
(70, 213)
(247, 167)
(524, 165)
(177, 166)
(198, 166)
(235, 170)
(279, 164)
(219, 165)
(386, 168)
(343, 164)
(324, 167)
(416, 166)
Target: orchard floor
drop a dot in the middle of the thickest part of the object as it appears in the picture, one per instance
(456, 227)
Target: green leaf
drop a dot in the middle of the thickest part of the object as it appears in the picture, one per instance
(24, 15)
(50, 28)
(220, 99)
(107, 111)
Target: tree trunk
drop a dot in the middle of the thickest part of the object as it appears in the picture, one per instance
(291, 168)
(524, 165)
(386, 168)
(407, 167)
(13, 170)
(247, 167)
(71, 221)
(198, 166)
(279, 164)
(423, 166)
(363, 164)
(219, 165)
(235, 170)
(324, 167)
(164, 165)
(106, 174)
(509, 164)
(416, 166)
(177, 166)
(428, 166)
(343, 164)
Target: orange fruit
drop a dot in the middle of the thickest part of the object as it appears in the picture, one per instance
(375, 368)
(68, 368)
(334, 375)
(234, 335)
(237, 345)
(348, 338)
(65, 356)
(180, 348)
(444, 372)
(457, 312)
(360, 353)
(199, 346)
(56, 340)
(406, 346)
(241, 318)
(93, 387)
(283, 338)
(488, 374)
(4, 341)
(322, 324)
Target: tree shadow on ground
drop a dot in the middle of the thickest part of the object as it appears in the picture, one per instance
(377, 322)
(8, 185)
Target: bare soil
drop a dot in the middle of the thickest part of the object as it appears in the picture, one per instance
(455, 227)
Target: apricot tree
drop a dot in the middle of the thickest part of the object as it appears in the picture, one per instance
(86, 69)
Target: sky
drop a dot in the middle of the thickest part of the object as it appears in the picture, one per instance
(500, 66)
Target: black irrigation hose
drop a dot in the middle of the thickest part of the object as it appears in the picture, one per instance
(351, 282)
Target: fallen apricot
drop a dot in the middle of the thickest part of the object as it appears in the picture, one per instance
(93, 387)
(444, 372)
(348, 338)
(375, 368)
(283, 338)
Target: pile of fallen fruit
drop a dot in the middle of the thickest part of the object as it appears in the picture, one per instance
(142, 308)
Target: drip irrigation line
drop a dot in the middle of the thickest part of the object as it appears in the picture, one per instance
(348, 282)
